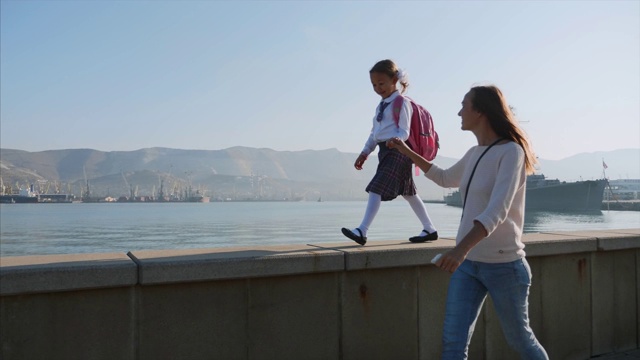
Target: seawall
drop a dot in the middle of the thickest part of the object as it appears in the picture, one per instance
(326, 301)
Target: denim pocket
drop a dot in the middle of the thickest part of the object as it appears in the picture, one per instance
(522, 271)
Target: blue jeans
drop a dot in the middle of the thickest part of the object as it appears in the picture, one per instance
(508, 285)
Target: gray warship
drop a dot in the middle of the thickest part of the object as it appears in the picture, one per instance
(554, 195)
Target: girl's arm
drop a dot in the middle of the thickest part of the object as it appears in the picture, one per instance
(404, 119)
(369, 145)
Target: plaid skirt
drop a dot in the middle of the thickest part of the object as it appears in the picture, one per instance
(393, 175)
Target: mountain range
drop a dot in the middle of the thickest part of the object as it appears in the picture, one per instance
(246, 173)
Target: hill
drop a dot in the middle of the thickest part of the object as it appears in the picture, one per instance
(247, 173)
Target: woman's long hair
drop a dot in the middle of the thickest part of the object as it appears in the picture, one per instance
(489, 101)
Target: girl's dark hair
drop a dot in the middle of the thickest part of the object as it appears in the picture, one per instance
(489, 101)
(389, 68)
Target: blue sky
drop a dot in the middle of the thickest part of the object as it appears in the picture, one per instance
(293, 75)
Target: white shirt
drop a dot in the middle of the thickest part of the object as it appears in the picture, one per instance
(386, 128)
(496, 199)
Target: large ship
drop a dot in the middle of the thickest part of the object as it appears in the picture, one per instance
(23, 196)
(554, 195)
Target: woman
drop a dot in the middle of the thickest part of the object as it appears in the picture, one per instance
(489, 255)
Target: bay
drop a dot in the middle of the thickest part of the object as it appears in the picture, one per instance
(40, 229)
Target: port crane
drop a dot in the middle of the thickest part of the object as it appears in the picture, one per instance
(132, 193)
(87, 194)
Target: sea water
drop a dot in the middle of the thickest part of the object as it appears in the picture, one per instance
(38, 229)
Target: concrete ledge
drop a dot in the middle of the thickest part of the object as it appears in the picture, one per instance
(170, 266)
(604, 240)
(386, 254)
(545, 244)
(343, 301)
(615, 240)
(51, 273)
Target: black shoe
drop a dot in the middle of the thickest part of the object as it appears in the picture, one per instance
(357, 238)
(429, 237)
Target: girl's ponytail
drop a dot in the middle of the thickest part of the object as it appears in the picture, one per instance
(389, 68)
(403, 80)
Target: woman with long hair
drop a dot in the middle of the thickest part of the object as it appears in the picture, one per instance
(489, 255)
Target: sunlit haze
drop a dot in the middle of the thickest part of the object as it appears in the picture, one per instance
(286, 75)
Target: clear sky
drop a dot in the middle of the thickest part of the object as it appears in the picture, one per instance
(294, 75)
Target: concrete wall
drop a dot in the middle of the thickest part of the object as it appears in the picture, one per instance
(324, 301)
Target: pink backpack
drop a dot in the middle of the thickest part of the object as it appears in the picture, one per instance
(423, 138)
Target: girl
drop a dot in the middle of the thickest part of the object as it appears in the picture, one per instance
(393, 175)
(489, 255)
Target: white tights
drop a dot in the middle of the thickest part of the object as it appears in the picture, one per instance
(373, 205)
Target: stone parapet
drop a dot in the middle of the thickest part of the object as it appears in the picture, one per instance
(51, 273)
(170, 266)
(309, 301)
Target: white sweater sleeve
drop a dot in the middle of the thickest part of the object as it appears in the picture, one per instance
(451, 177)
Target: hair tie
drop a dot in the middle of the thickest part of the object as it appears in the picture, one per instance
(402, 76)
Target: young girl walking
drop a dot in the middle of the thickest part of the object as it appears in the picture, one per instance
(393, 175)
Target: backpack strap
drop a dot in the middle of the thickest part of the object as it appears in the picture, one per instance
(397, 107)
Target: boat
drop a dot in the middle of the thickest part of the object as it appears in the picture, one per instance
(198, 198)
(55, 198)
(544, 194)
(24, 196)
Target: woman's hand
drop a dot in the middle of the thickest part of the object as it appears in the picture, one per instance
(450, 260)
(360, 161)
(454, 257)
(403, 148)
(396, 143)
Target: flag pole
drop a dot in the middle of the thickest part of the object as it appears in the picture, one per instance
(604, 176)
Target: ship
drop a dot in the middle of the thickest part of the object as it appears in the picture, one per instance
(27, 196)
(23, 196)
(197, 197)
(55, 198)
(544, 194)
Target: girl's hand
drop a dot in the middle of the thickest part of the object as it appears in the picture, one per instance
(396, 143)
(360, 161)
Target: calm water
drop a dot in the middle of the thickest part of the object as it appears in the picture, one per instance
(30, 229)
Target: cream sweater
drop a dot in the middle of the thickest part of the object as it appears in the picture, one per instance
(496, 199)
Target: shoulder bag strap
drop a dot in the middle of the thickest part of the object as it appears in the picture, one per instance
(473, 172)
(396, 107)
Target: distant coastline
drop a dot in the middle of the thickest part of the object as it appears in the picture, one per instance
(240, 173)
